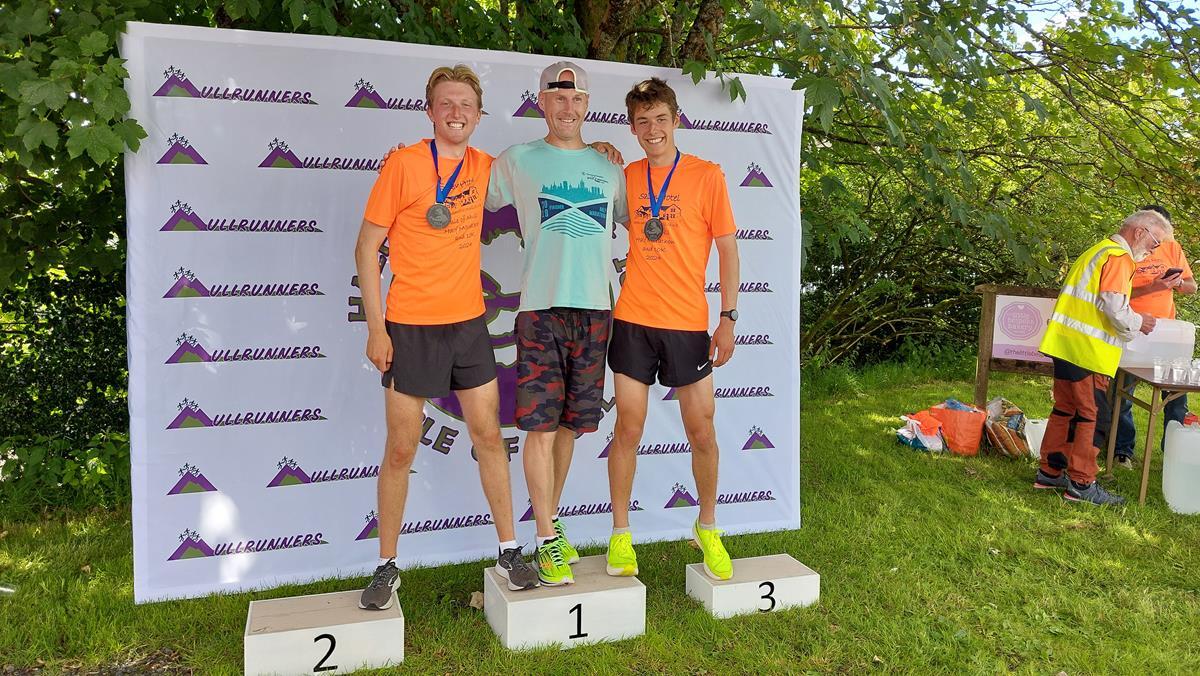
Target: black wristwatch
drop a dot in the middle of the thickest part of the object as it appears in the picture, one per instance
(732, 314)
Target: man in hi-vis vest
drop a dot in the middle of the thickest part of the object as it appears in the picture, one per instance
(1091, 323)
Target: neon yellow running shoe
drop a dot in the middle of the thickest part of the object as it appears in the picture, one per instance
(569, 553)
(622, 561)
(716, 560)
(552, 567)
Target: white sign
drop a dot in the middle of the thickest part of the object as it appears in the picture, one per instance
(1019, 326)
(256, 421)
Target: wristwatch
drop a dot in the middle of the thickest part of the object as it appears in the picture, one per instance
(732, 314)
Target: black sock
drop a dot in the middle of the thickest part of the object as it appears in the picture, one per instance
(1079, 486)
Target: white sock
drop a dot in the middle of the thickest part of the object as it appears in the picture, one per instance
(707, 526)
(385, 559)
(543, 540)
(508, 544)
(620, 531)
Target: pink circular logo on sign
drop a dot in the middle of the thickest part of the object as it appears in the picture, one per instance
(1020, 321)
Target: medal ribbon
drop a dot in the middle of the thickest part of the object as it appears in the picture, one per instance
(656, 204)
(443, 193)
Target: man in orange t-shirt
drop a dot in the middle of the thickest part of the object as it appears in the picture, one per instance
(1161, 275)
(433, 339)
(678, 207)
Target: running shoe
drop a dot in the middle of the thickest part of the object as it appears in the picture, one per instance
(1043, 480)
(569, 552)
(622, 561)
(1094, 494)
(378, 594)
(553, 569)
(511, 566)
(716, 560)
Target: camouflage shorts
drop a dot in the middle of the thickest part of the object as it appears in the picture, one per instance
(560, 369)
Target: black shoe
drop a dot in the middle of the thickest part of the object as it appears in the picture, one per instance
(1043, 480)
(1092, 493)
(512, 567)
(378, 594)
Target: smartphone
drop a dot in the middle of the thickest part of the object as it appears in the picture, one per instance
(1171, 272)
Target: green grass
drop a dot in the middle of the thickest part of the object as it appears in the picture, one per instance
(929, 563)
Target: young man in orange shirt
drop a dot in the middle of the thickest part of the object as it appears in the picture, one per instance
(433, 339)
(1158, 277)
(678, 206)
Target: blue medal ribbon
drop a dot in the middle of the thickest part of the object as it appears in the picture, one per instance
(443, 193)
(656, 204)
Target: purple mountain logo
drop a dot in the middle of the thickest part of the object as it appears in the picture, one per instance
(684, 122)
(187, 286)
(672, 395)
(191, 481)
(371, 530)
(495, 300)
(180, 151)
(608, 442)
(177, 84)
(755, 178)
(289, 474)
(757, 440)
(183, 219)
(280, 156)
(191, 546)
(188, 350)
(681, 498)
(190, 415)
(365, 97)
(529, 106)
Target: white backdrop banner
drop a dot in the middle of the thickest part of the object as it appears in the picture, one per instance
(256, 420)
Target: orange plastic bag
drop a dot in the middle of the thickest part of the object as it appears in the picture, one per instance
(963, 430)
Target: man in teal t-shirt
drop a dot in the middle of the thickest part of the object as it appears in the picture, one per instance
(568, 199)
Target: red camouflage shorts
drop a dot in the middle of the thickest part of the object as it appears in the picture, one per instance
(560, 369)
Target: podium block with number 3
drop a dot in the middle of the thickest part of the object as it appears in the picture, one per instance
(760, 584)
(322, 633)
(596, 608)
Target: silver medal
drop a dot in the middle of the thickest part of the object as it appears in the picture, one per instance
(653, 229)
(438, 216)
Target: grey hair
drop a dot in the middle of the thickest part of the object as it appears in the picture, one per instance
(1147, 219)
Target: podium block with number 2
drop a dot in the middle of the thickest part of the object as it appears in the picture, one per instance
(322, 633)
(596, 608)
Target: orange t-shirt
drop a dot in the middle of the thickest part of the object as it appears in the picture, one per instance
(435, 273)
(1114, 276)
(1160, 304)
(664, 280)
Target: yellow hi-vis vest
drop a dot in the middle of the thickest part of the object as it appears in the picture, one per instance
(1078, 331)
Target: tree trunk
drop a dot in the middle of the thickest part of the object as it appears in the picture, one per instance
(709, 20)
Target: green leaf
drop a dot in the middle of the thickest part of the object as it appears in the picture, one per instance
(41, 132)
(696, 69)
(237, 9)
(12, 75)
(49, 93)
(296, 11)
(93, 44)
(97, 140)
(736, 89)
(131, 133)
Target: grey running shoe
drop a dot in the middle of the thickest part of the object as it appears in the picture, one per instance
(378, 594)
(1124, 462)
(1094, 494)
(512, 567)
(1043, 480)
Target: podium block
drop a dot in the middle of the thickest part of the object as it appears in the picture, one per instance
(321, 633)
(759, 584)
(596, 608)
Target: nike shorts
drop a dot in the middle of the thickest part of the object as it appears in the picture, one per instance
(677, 358)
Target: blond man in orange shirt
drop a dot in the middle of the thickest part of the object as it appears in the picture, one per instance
(678, 207)
(433, 338)
(1156, 280)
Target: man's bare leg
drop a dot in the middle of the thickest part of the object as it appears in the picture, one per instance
(622, 456)
(539, 477)
(481, 407)
(697, 407)
(564, 450)
(404, 414)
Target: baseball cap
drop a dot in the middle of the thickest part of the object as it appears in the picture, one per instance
(552, 77)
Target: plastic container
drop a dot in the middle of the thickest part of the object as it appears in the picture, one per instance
(1170, 339)
(1181, 468)
(1034, 431)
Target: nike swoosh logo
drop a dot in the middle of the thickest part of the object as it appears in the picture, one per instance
(701, 367)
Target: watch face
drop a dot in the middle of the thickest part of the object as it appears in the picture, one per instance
(732, 314)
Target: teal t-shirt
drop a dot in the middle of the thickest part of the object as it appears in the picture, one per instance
(567, 202)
